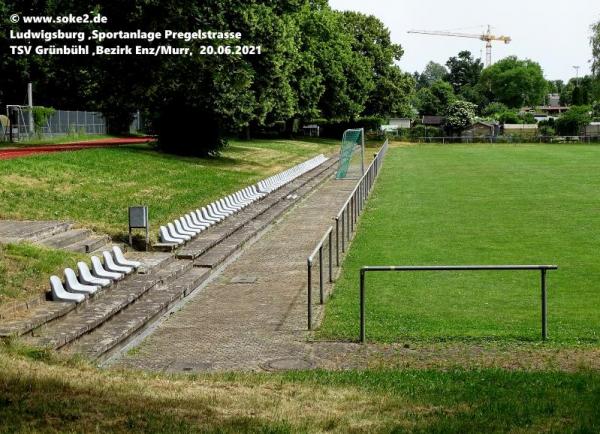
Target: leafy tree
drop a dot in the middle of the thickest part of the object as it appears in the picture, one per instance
(514, 82)
(463, 70)
(391, 88)
(435, 99)
(571, 122)
(494, 108)
(459, 116)
(595, 43)
(433, 72)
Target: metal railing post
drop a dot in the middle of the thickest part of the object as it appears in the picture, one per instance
(321, 274)
(362, 306)
(330, 257)
(309, 307)
(343, 234)
(544, 306)
(337, 241)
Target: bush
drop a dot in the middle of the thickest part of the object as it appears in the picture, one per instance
(419, 131)
(571, 122)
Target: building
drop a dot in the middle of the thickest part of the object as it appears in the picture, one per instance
(400, 123)
(432, 121)
(482, 129)
(520, 130)
(591, 130)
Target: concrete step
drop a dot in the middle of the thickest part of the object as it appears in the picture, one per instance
(33, 318)
(63, 239)
(90, 244)
(122, 328)
(103, 306)
(32, 231)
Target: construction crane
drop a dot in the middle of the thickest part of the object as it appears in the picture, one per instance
(488, 37)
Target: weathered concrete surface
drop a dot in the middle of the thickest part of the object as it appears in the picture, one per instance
(253, 316)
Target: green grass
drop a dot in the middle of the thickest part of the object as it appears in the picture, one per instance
(94, 187)
(41, 392)
(25, 269)
(477, 204)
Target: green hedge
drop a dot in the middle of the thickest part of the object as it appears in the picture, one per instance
(334, 128)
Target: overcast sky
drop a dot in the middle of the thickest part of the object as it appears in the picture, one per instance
(555, 34)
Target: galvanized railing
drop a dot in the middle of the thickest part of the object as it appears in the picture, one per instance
(542, 268)
(346, 219)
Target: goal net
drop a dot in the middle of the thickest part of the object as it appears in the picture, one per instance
(352, 154)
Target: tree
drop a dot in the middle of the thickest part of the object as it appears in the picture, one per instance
(595, 43)
(514, 82)
(391, 88)
(459, 116)
(433, 72)
(435, 99)
(463, 70)
(571, 122)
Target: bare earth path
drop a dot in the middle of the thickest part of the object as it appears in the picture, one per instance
(253, 316)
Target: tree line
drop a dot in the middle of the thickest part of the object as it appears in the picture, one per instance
(315, 63)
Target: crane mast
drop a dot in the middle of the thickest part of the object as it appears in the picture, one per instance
(487, 37)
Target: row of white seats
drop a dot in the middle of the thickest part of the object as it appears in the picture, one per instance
(76, 288)
(188, 226)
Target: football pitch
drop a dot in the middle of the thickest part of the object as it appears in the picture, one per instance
(477, 204)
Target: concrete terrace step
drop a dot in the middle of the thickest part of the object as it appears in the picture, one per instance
(89, 245)
(63, 239)
(216, 255)
(12, 231)
(219, 233)
(100, 309)
(120, 329)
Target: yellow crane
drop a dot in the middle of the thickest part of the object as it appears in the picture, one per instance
(488, 37)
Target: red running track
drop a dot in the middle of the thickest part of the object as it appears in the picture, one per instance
(6, 154)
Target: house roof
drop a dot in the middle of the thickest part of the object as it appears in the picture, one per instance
(432, 120)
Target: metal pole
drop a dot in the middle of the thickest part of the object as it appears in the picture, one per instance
(30, 105)
(321, 274)
(343, 235)
(330, 257)
(309, 307)
(337, 242)
(362, 306)
(544, 306)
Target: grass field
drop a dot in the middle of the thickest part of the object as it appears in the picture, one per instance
(477, 204)
(40, 392)
(94, 187)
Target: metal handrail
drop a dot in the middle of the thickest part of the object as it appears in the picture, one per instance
(356, 201)
(309, 263)
(542, 268)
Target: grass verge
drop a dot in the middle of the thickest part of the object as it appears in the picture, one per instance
(94, 187)
(42, 392)
(25, 269)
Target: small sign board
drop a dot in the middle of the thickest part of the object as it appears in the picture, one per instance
(138, 219)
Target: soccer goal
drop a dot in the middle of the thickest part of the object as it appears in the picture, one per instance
(352, 155)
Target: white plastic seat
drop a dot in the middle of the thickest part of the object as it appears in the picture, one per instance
(176, 234)
(186, 227)
(99, 270)
(181, 230)
(197, 221)
(165, 237)
(85, 276)
(207, 213)
(109, 264)
(120, 259)
(59, 293)
(74, 285)
(203, 218)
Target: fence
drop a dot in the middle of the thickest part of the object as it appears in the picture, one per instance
(542, 268)
(501, 139)
(63, 122)
(345, 220)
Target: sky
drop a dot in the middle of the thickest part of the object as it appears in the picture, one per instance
(553, 33)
